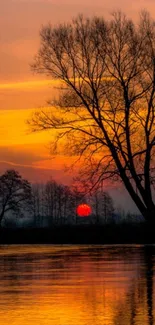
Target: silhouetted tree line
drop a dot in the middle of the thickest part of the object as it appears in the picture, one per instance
(49, 203)
(54, 203)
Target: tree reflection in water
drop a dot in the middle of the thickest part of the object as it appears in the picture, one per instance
(137, 308)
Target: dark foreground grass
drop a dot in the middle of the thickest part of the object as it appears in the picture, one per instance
(81, 234)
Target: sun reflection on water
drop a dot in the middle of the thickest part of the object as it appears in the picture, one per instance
(73, 285)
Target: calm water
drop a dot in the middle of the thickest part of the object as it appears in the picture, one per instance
(77, 285)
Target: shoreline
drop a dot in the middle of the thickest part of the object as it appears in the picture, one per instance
(81, 234)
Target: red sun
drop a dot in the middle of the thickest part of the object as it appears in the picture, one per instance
(83, 210)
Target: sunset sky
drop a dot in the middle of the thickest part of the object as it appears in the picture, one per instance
(21, 92)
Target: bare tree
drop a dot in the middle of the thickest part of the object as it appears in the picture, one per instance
(106, 104)
(103, 206)
(61, 202)
(53, 201)
(39, 209)
(15, 194)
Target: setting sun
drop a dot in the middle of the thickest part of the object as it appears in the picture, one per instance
(83, 210)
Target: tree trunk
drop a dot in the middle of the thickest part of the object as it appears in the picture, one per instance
(1, 217)
(150, 215)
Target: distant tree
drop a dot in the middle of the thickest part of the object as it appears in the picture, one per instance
(38, 203)
(102, 205)
(54, 203)
(76, 197)
(107, 98)
(67, 205)
(52, 200)
(61, 202)
(15, 194)
(121, 214)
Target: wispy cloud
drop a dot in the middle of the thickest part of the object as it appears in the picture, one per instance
(30, 84)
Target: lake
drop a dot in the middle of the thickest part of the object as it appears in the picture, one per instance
(77, 285)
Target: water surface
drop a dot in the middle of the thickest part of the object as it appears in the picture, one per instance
(77, 285)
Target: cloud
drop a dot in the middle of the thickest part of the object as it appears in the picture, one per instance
(15, 131)
(36, 175)
(24, 155)
(36, 158)
(30, 85)
(27, 94)
(34, 162)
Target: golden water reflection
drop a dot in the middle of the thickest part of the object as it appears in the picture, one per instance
(77, 285)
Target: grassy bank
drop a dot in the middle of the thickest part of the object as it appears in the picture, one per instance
(85, 234)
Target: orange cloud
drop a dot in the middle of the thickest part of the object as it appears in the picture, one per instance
(14, 131)
(25, 151)
(35, 84)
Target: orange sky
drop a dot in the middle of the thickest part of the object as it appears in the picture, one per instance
(21, 92)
